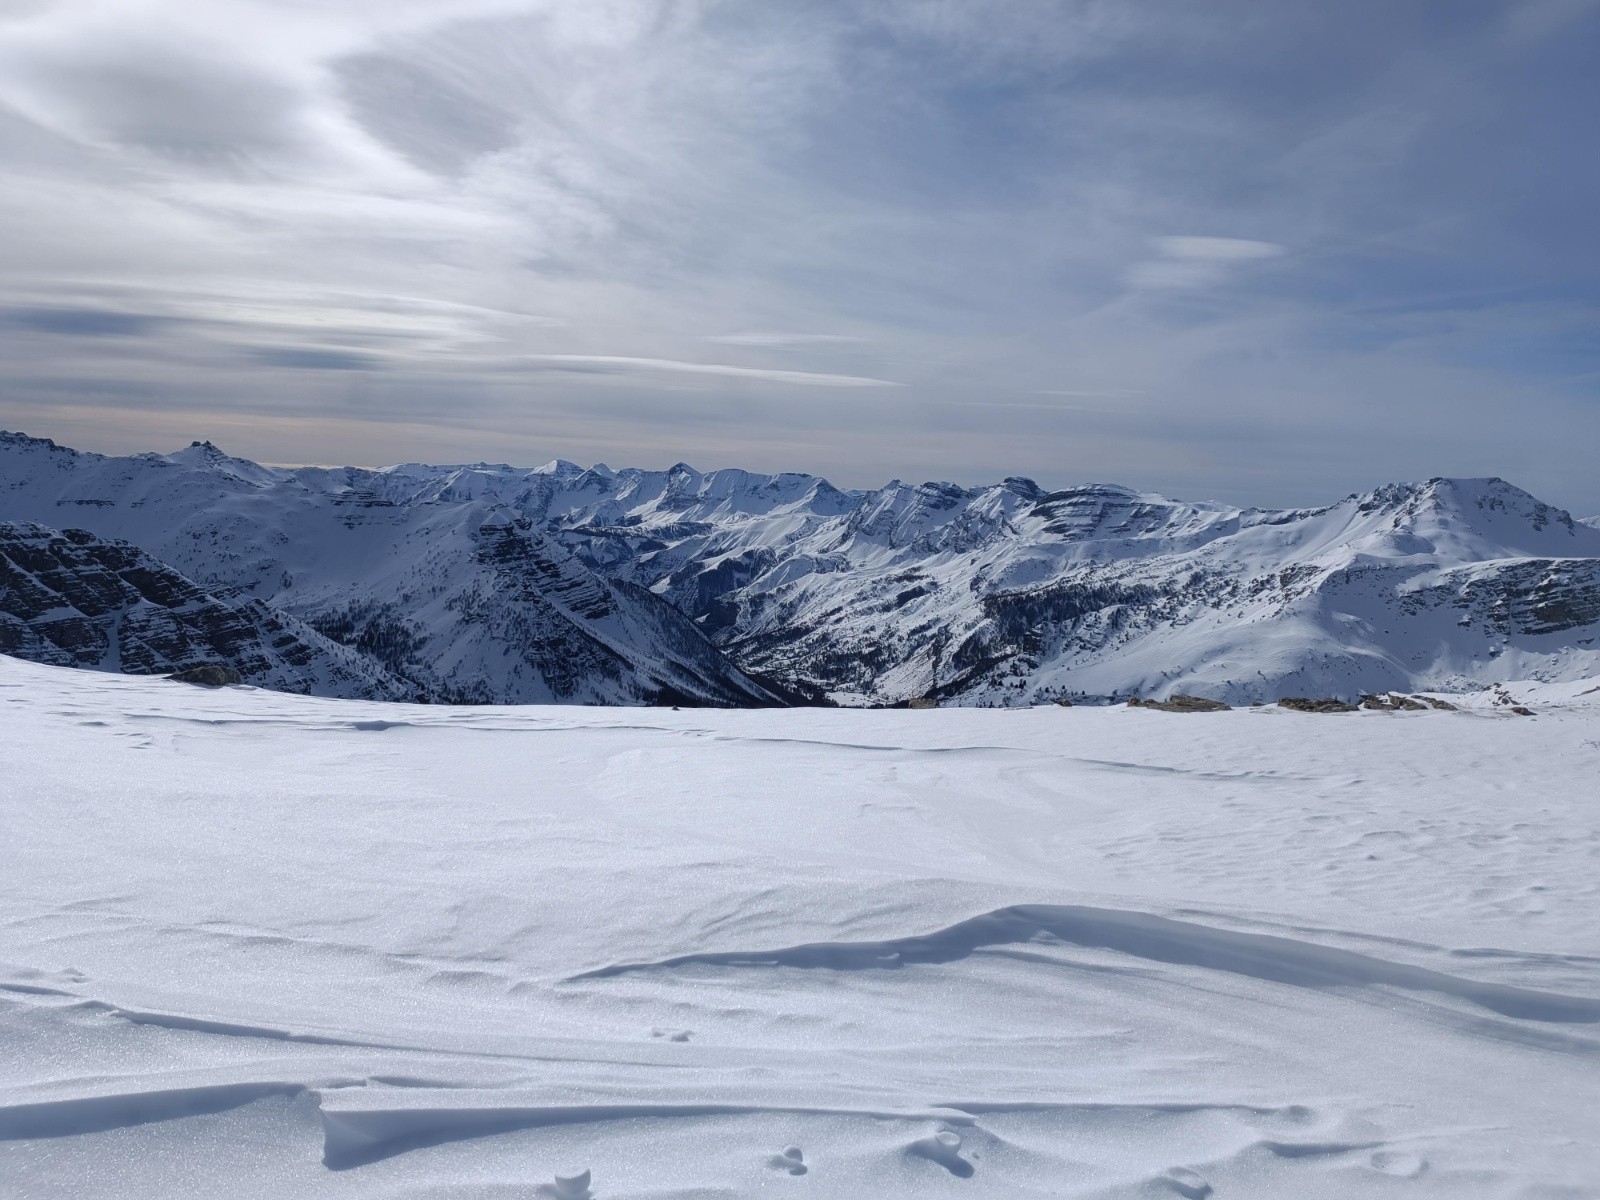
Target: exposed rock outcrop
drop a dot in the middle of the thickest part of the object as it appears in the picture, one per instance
(1181, 704)
(1308, 705)
(208, 675)
(73, 599)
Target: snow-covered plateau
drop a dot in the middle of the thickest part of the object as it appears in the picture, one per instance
(494, 584)
(255, 944)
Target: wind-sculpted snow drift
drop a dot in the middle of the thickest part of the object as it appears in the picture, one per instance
(1283, 960)
(258, 945)
(491, 583)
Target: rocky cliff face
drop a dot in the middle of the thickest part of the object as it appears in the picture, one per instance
(591, 585)
(73, 599)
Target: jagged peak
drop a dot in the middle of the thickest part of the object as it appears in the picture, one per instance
(823, 487)
(1486, 492)
(1476, 517)
(207, 450)
(201, 452)
(209, 456)
(559, 467)
(1097, 494)
(1441, 485)
(928, 487)
(18, 438)
(1471, 482)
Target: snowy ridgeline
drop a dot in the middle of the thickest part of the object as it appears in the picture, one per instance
(493, 584)
(260, 945)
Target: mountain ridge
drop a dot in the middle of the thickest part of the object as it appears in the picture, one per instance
(467, 602)
(735, 587)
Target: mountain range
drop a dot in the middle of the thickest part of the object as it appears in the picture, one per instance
(491, 584)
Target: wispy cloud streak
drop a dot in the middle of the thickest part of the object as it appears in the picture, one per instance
(612, 364)
(1253, 234)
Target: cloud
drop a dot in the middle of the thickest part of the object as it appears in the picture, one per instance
(610, 364)
(781, 340)
(1087, 392)
(181, 105)
(1193, 262)
(438, 124)
(1216, 249)
(80, 322)
(429, 214)
(315, 358)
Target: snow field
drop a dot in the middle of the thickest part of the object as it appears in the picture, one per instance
(259, 945)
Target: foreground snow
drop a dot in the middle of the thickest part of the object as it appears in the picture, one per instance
(262, 945)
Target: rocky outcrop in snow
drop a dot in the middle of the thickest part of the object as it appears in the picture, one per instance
(73, 599)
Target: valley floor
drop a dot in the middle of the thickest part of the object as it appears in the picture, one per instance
(259, 945)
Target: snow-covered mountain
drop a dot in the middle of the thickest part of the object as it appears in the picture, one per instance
(1027, 595)
(560, 582)
(463, 597)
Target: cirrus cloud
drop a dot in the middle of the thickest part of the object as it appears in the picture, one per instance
(1191, 261)
(524, 220)
(613, 364)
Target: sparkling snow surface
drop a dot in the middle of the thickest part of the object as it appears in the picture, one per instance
(257, 945)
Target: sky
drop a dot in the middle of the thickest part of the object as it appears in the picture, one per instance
(1262, 253)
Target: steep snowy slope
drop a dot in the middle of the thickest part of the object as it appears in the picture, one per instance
(260, 947)
(495, 583)
(454, 592)
(77, 600)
